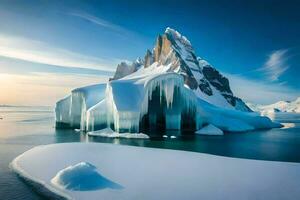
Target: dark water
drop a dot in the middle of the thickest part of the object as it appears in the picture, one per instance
(25, 127)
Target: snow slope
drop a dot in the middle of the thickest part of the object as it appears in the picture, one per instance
(147, 173)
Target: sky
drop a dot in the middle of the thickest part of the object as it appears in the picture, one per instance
(48, 48)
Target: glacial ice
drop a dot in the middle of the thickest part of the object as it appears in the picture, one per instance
(72, 110)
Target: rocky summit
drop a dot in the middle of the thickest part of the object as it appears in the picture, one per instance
(175, 50)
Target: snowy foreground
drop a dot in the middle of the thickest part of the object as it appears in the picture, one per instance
(107, 171)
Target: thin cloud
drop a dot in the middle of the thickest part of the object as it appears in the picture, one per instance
(43, 53)
(276, 65)
(100, 22)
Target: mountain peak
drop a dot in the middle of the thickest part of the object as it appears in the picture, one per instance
(175, 52)
(177, 36)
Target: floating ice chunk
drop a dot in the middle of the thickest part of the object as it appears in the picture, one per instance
(108, 132)
(288, 125)
(210, 130)
(82, 177)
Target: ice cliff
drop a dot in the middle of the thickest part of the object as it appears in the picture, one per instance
(171, 88)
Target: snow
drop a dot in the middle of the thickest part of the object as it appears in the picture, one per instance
(210, 130)
(108, 132)
(82, 177)
(280, 106)
(147, 173)
(177, 36)
(233, 120)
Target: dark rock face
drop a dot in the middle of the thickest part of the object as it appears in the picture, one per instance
(216, 79)
(221, 84)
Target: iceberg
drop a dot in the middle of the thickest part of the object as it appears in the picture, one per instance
(138, 171)
(171, 89)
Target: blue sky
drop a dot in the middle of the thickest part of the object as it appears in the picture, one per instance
(54, 46)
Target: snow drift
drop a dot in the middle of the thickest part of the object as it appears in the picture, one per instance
(82, 177)
(170, 89)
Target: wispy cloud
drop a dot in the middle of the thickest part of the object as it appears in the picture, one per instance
(100, 22)
(275, 65)
(40, 52)
(252, 90)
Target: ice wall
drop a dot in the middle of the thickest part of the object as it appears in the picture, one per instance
(128, 101)
(72, 111)
(97, 116)
(62, 112)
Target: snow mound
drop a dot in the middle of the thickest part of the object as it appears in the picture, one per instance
(82, 177)
(108, 132)
(210, 130)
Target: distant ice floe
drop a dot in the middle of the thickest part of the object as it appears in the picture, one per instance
(108, 132)
(288, 125)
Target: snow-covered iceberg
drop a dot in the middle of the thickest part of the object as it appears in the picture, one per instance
(171, 89)
(147, 173)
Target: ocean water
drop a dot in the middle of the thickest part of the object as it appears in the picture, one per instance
(22, 128)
